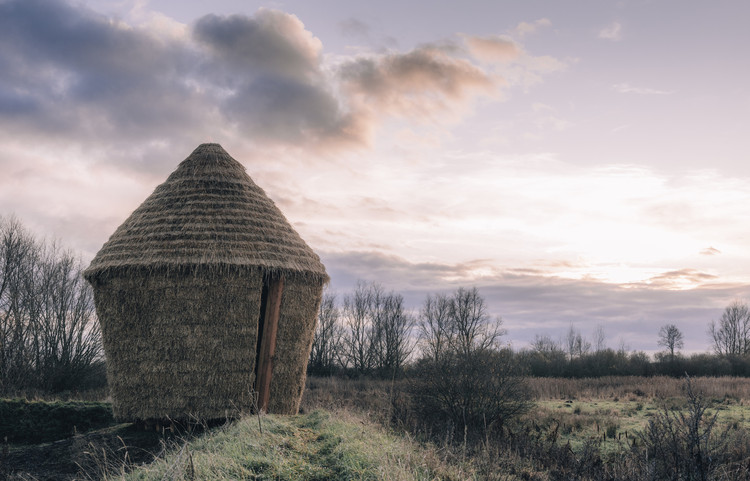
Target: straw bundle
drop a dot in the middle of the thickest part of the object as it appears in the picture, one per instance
(178, 295)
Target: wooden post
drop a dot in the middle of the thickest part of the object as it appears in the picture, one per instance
(267, 345)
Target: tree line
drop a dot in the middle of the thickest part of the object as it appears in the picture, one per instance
(369, 332)
(49, 335)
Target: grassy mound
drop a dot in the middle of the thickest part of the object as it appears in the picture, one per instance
(33, 422)
(316, 446)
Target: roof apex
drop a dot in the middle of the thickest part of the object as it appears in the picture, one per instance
(208, 212)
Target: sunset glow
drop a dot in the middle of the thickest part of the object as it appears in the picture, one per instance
(576, 168)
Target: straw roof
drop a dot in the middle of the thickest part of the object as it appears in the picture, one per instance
(208, 213)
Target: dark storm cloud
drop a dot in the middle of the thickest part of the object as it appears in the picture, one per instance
(71, 77)
(269, 42)
(285, 109)
(532, 303)
(70, 74)
(65, 60)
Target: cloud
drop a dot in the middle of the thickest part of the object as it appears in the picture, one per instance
(625, 88)
(65, 63)
(681, 279)
(546, 117)
(351, 27)
(271, 42)
(531, 302)
(423, 83)
(494, 48)
(69, 73)
(612, 32)
(526, 28)
(710, 251)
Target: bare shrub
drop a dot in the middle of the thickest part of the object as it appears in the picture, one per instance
(471, 395)
(687, 445)
(464, 385)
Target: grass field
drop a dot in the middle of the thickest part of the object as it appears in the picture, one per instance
(345, 431)
(615, 423)
(612, 410)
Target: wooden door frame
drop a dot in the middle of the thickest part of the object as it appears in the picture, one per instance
(267, 344)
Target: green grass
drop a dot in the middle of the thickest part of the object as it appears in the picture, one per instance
(613, 423)
(316, 446)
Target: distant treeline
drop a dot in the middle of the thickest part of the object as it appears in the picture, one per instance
(370, 333)
(608, 362)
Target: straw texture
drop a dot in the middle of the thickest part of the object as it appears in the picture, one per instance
(179, 346)
(299, 308)
(178, 291)
(208, 212)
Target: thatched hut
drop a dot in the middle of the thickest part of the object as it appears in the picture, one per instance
(206, 295)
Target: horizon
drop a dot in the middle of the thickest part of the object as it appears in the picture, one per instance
(576, 169)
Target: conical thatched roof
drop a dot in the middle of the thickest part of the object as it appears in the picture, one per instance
(208, 213)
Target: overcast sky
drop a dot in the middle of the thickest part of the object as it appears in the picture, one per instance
(579, 162)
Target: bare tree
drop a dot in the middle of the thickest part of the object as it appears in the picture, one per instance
(546, 345)
(326, 352)
(464, 381)
(671, 338)
(358, 351)
(459, 324)
(17, 249)
(471, 326)
(600, 339)
(731, 336)
(577, 344)
(435, 325)
(392, 326)
(49, 336)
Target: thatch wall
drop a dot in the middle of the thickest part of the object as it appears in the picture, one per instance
(180, 344)
(299, 309)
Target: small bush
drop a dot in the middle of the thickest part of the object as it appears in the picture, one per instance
(471, 395)
(683, 444)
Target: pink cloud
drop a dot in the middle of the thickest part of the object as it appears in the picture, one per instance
(493, 49)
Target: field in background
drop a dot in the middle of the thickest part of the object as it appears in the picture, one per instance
(612, 410)
(374, 396)
(631, 387)
(355, 428)
(608, 410)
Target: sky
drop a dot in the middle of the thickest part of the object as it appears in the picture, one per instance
(581, 163)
